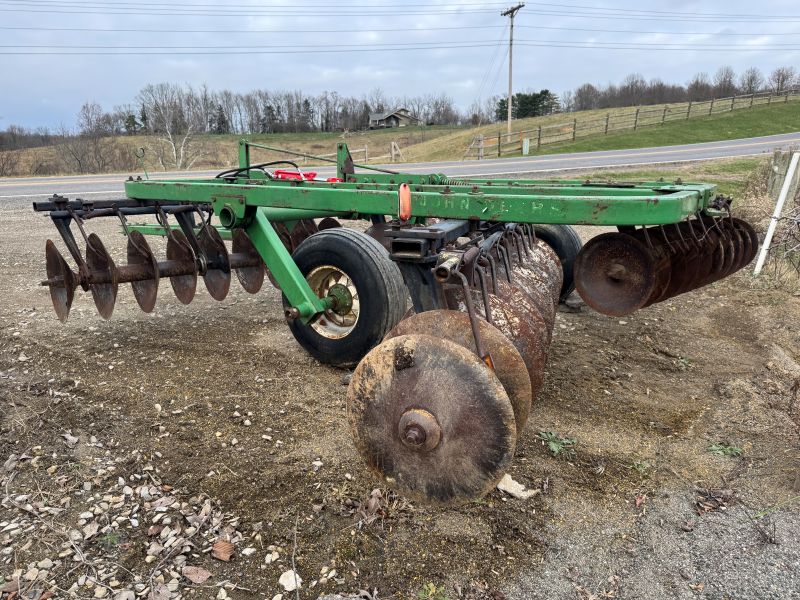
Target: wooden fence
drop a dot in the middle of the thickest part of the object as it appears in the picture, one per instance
(530, 140)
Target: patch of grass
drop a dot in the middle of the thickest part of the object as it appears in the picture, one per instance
(642, 467)
(430, 591)
(775, 507)
(733, 176)
(742, 123)
(559, 446)
(722, 449)
(110, 540)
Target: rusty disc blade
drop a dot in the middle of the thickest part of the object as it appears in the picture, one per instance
(455, 326)
(615, 274)
(378, 232)
(178, 249)
(101, 266)
(752, 237)
(743, 246)
(728, 248)
(63, 281)
(718, 259)
(328, 223)
(251, 278)
(539, 294)
(431, 418)
(516, 318)
(544, 258)
(303, 229)
(706, 246)
(218, 274)
(139, 253)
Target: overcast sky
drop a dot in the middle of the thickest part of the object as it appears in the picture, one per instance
(463, 53)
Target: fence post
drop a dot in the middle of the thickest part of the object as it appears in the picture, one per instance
(752, 97)
(787, 97)
(769, 99)
(733, 99)
(636, 120)
(711, 106)
(498, 144)
(539, 138)
(608, 116)
(664, 115)
(366, 153)
(689, 109)
(480, 147)
(574, 128)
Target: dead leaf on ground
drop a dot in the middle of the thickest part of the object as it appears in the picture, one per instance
(91, 530)
(196, 574)
(222, 550)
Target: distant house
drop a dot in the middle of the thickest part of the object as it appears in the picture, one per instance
(400, 117)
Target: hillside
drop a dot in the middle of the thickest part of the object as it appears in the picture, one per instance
(766, 120)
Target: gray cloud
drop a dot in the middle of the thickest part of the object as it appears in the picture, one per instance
(48, 90)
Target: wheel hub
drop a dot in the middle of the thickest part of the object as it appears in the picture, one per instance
(341, 319)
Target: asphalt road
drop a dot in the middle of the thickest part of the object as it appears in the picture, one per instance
(99, 187)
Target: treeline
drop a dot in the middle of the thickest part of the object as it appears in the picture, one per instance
(259, 111)
(636, 91)
(528, 104)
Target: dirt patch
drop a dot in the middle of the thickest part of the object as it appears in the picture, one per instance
(216, 402)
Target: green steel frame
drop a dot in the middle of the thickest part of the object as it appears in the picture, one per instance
(251, 200)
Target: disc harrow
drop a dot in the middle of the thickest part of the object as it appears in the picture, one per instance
(442, 391)
(618, 273)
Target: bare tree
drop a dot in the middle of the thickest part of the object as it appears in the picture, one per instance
(751, 81)
(9, 159)
(587, 97)
(699, 88)
(725, 82)
(782, 78)
(173, 114)
(567, 101)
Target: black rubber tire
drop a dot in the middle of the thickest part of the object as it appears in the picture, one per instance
(381, 291)
(566, 243)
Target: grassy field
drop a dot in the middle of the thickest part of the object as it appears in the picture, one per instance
(765, 120)
(732, 175)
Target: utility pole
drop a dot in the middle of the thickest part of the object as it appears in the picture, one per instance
(510, 13)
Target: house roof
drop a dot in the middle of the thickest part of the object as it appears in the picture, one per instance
(386, 115)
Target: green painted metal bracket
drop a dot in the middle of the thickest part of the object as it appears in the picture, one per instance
(280, 264)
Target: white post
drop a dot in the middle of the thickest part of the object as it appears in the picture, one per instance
(787, 184)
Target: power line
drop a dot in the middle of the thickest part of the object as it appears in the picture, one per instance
(216, 6)
(640, 31)
(629, 17)
(661, 12)
(474, 7)
(238, 50)
(421, 45)
(152, 12)
(237, 31)
(391, 29)
(416, 45)
(491, 68)
(323, 49)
